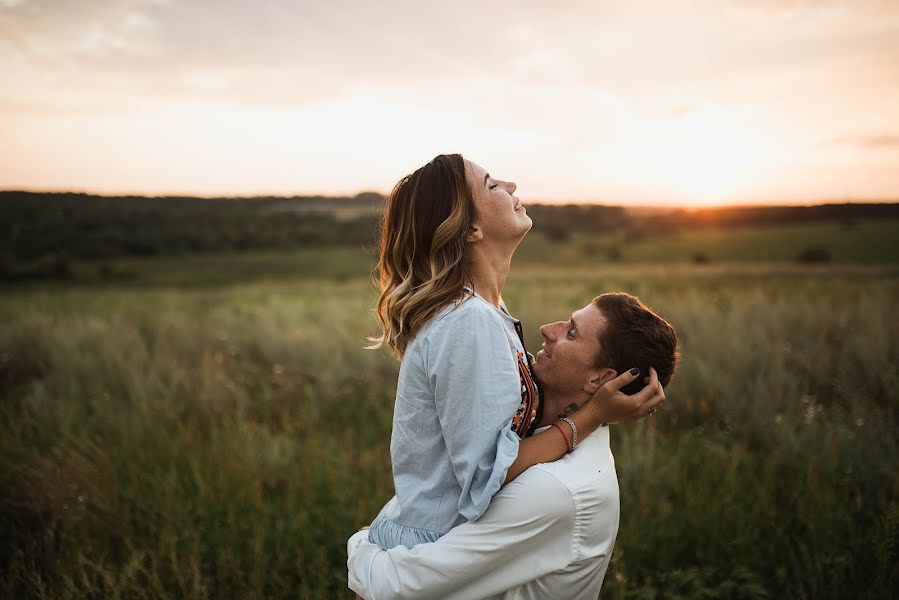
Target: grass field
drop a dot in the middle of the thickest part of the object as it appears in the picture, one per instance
(862, 243)
(224, 440)
(867, 242)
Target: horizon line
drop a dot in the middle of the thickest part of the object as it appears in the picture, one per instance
(632, 204)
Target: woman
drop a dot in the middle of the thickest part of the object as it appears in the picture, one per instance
(466, 399)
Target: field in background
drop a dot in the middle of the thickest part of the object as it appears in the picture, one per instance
(79, 238)
(860, 243)
(867, 242)
(223, 440)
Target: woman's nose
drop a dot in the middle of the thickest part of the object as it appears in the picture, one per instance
(512, 187)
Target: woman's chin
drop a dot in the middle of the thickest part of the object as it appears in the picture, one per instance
(527, 223)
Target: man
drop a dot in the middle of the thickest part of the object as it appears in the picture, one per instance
(550, 532)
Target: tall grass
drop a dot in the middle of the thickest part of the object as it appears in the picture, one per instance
(224, 442)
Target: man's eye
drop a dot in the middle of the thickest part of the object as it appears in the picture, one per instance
(571, 334)
(492, 186)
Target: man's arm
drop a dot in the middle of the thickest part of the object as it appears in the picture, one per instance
(525, 533)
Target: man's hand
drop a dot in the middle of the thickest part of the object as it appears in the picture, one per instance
(613, 406)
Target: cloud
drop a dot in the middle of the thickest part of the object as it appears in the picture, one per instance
(871, 142)
(774, 8)
(294, 53)
(279, 52)
(582, 79)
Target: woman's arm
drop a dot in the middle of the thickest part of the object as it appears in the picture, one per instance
(608, 405)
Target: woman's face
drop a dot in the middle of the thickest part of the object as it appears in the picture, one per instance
(501, 215)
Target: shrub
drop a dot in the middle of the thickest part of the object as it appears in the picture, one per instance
(814, 255)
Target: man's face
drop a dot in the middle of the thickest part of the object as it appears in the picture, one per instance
(567, 361)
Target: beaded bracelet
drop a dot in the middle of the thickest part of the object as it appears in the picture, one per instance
(565, 437)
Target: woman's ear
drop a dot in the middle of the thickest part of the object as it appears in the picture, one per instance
(475, 234)
(599, 379)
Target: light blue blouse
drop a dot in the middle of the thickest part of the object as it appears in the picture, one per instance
(452, 440)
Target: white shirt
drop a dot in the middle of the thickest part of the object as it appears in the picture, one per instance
(547, 534)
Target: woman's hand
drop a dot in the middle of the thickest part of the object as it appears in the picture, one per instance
(613, 406)
(608, 405)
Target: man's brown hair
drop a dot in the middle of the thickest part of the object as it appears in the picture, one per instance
(634, 336)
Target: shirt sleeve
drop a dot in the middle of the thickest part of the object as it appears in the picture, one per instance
(476, 387)
(525, 534)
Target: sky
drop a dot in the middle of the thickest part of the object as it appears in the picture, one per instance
(695, 102)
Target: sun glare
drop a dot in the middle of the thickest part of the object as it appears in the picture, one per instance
(707, 161)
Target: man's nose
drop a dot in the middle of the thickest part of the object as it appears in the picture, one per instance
(548, 331)
(512, 186)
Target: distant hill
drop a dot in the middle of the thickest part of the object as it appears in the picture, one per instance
(89, 226)
(775, 215)
(54, 227)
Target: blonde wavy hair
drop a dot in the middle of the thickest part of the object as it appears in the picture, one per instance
(421, 266)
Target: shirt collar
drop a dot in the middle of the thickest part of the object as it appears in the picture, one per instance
(502, 304)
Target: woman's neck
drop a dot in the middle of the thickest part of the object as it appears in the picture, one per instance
(488, 272)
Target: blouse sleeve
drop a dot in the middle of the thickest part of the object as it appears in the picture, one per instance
(477, 391)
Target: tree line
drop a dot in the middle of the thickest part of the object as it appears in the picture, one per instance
(49, 226)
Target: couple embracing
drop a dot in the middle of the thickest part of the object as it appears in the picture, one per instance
(505, 482)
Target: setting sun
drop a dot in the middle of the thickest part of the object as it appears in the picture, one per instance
(709, 161)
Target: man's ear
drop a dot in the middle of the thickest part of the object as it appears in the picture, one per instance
(599, 379)
(475, 234)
